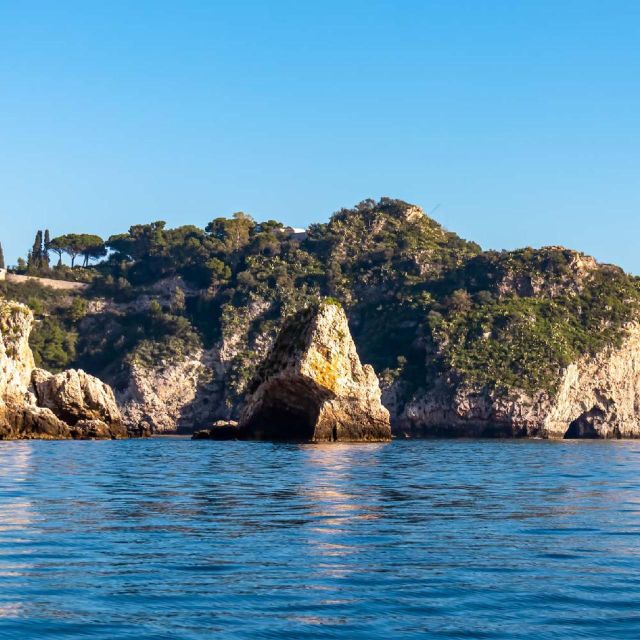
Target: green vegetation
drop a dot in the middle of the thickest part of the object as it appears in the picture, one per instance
(53, 339)
(423, 304)
(90, 247)
(517, 319)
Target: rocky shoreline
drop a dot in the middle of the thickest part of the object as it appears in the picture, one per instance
(37, 404)
(312, 387)
(190, 329)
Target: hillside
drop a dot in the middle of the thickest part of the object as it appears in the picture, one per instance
(177, 320)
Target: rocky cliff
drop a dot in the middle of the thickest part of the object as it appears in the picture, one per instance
(16, 358)
(195, 387)
(312, 386)
(464, 341)
(36, 404)
(163, 396)
(597, 397)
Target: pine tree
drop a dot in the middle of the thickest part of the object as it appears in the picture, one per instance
(1, 257)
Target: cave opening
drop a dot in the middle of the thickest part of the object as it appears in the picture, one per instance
(584, 426)
(277, 421)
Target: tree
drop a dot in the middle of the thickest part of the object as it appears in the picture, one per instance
(57, 245)
(78, 309)
(45, 249)
(265, 243)
(71, 245)
(232, 232)
(35, 255)
(140, 241)
(89, 246)
(93, 248)
(178, 301)
(220, 273)
(2, 265)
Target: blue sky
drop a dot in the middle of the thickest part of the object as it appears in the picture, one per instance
(520, 119)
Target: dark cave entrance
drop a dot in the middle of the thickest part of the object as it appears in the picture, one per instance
(278, 421)
(584, 426)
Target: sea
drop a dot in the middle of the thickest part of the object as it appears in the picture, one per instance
(169, 538)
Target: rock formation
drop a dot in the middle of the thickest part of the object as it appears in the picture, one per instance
(16, 358)
(221, 430)
(193, 389)
(81, 400)
(162, 395)
(312, 387)
(26, 421)
(598, 397)
(37, 404)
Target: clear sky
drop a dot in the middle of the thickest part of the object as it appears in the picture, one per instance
(520, 119)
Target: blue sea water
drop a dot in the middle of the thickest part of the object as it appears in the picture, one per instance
(174, 539)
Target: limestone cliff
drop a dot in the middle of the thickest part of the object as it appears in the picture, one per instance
(162, 397)
(198, 387)
(312, 386)
(16, 359)
(598, 397)
(464, 341)
(37, 404)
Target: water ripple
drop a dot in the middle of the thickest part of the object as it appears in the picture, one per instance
(170, 538)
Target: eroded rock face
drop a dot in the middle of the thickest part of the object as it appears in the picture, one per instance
(161, 396)
(74, 395)
(38, 404)
(312, 386)
(598, 397)
(194, 390)
(23, 421)
(16, 358)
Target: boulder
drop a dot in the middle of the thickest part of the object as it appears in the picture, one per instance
(18, 421)
(221, 430)
(97, 430)
(74, 395)
(312, 386)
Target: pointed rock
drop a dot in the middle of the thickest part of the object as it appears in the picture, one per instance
(312, 386)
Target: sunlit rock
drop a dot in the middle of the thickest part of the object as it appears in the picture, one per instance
(312, 386)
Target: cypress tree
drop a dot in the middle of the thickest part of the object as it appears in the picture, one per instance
(1, 257)
(35, 255)
(45, 249)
